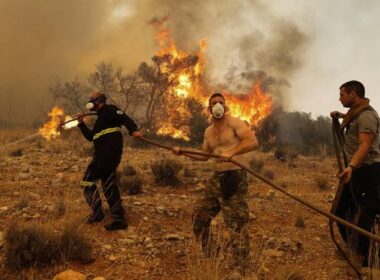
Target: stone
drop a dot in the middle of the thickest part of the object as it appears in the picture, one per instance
(112, 258)
(4, 208)
(70, 275)
(147, 240)
(160, 209)
(273, 253)
(148, 246)
(107, 247)
(145, 218)
(23, 176)
(35, 216)
(127, 241)
(252, 216)
(74, 168)
(199, 187)
(173, 237)
(34, 195)
(271, 194)
(57, 178)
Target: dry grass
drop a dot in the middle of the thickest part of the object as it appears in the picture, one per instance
(131, 184)
(322, 181)
(75, 245)
(373, 255)
(269, 174)
(30, 245)
(60, 208)
(34, 245)
(197, 266)
(188, 173)
(300, 222)
(17, 152)
(280, 154)
(289, 273)
(256, 164)
(211, 267)
(128, 170)
(22, 203)
(166, 171)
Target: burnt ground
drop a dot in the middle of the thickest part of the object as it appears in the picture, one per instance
(285, 237)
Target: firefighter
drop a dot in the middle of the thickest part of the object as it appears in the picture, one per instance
(108, 143)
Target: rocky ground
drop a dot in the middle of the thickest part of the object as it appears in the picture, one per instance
(40, 184)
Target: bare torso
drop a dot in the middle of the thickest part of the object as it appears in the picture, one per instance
(223, 138)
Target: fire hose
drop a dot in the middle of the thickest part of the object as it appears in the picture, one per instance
(76, 118)
(34, 135)
(331, 215)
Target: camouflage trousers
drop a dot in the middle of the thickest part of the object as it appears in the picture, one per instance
(226, 192)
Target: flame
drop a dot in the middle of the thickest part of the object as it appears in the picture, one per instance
(168, 129)
(51, 129)
(251, 107)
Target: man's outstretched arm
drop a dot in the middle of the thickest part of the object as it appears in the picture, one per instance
(205, 148)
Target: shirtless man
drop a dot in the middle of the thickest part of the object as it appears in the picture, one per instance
(226, 191)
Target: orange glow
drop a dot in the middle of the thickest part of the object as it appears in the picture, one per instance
(252, 107)
(50, 129)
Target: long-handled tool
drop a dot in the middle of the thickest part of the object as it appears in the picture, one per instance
(37, 134)
(75, 119)
(341, 158)
(293, 196)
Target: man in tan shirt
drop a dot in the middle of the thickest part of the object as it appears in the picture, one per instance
(226, 190)
(360, 199)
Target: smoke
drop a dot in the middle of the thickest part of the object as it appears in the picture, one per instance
(246, 41)
(45, 40)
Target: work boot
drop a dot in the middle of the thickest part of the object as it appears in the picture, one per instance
(95, 217)
(116, 225)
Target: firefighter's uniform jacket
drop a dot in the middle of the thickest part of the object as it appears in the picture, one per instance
(108, 143)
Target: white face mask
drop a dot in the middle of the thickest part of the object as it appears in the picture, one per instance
(90, 106)
(217, 111)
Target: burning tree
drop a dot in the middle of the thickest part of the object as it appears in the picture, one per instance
(161, 82)
(170, 92)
